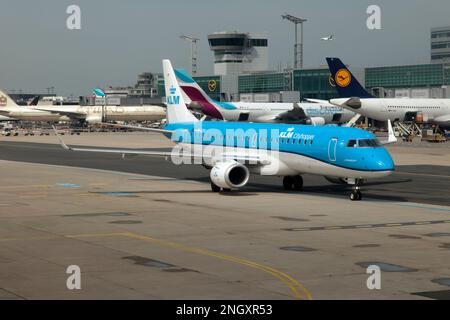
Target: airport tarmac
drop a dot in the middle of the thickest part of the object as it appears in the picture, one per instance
(146, 229)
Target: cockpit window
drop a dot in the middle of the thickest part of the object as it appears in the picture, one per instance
(364, 143)
(351, 143)
(369, 143)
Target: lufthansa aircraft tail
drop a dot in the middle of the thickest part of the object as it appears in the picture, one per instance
(177, 111)
(346, 84)
(6, 101)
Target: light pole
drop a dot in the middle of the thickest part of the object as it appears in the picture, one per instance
(194, 52)
(298, 47)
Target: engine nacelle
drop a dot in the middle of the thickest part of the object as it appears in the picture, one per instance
(316, 121)
(229, 175)
(195, 106)
(94, 118)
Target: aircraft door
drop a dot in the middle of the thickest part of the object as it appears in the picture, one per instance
(332, 145)
(104, 116)
(243, 117)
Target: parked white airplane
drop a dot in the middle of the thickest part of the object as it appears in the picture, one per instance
(300, 113)
(10, 109)
(355, 98)
(90, 114)
(99, 114)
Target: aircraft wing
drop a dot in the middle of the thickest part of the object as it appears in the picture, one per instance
(253, 160)
(4, 112)
(63, 112)
(105, 150)
(318, 101)
(163, 131)
(294, 115)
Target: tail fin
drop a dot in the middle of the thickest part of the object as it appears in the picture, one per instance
(346, 84)
(34, 101)
(191, 88)
(98, 93)
(6, 101)
(195, 94)
(176, 107)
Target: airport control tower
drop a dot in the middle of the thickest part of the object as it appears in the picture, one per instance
(238, 52)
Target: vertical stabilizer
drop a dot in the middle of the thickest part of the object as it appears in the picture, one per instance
(176, 106)
(6, 101)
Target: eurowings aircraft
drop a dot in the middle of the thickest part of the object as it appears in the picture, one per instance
(269, 112)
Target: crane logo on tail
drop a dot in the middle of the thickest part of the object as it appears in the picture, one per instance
(173, 99)
(343, 78)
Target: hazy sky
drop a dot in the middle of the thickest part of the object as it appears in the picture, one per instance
(120, 39)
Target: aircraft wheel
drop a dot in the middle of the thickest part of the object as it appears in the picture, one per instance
(288, 183)
(359, 194)
(355, 196)
(214, 188)
(226, 190)
(298, 183)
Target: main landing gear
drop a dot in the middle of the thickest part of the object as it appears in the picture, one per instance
(293, 183)
(356, 194)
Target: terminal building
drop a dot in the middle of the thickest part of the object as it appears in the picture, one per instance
(241, 73)
(440, 45)
(410, 81)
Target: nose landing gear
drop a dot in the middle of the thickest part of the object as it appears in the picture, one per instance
(356, 194)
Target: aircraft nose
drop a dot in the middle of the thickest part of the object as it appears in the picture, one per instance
(382, 160)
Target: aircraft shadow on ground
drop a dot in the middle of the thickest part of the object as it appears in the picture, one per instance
(253, 189)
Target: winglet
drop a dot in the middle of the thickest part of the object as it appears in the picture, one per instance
(61, 141)
(391, 138)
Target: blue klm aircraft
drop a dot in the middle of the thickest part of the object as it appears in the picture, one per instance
(233, 150)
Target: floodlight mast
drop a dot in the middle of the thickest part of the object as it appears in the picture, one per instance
(298, 47)
(194, 52)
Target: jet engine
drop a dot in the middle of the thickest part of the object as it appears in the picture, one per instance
(98, 116)
(94, 118)
(195, 106)
(316, 121)
(229, 175)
